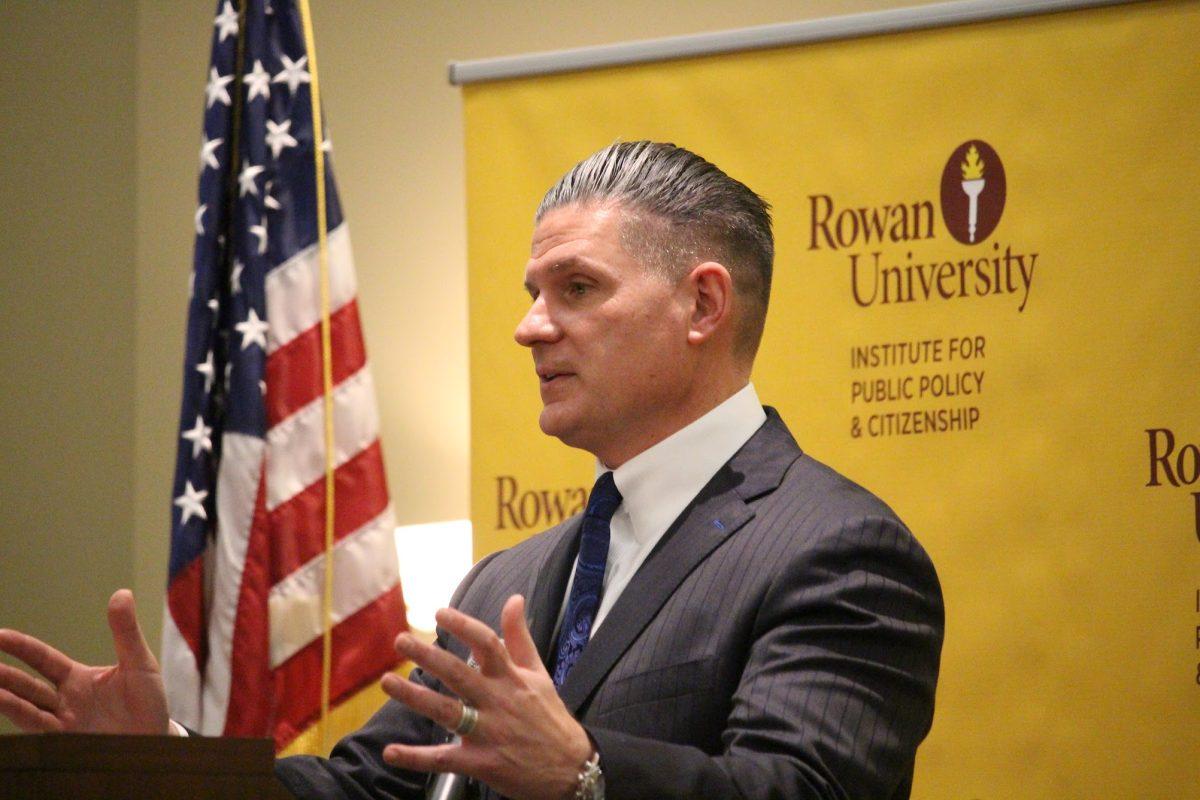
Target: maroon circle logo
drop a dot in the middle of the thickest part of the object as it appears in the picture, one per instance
(973, 191)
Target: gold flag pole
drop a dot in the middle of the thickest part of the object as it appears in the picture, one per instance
(326, 376)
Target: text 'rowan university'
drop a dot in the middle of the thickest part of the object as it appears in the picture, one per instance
(896, 250)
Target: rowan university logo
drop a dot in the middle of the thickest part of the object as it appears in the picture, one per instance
(973, 191)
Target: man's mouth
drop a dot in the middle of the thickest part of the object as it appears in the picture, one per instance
(549, 376)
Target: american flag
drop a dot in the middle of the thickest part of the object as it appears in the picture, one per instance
(243, 632)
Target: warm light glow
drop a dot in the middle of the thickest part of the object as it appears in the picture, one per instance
(434, 557)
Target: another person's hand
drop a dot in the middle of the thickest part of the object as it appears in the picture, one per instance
(525, 744)
(125, 698)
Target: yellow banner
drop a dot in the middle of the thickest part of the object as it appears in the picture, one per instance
(986, 310)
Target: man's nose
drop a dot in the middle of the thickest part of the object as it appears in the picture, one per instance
(537, 326)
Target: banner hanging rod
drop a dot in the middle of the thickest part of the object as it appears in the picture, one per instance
(934, 15)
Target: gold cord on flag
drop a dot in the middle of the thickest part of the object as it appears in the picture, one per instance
(326, 376)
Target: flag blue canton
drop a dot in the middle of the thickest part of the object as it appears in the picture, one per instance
(256, 209)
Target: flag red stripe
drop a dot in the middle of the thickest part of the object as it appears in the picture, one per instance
(362, 648)
(249, 711)
(298, 526)
(294, 370)
(185, 599)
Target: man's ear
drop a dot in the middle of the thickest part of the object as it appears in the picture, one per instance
(712, 301)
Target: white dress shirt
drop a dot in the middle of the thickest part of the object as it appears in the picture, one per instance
(657, 484)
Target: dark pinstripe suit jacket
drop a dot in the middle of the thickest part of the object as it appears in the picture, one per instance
(782, 641)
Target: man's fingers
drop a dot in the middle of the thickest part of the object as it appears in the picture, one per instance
(517, 637)
(451, 670)
(132, 651)
(27, 716)
(43, 658)
(445, 711)
(28, 688)
(436, 758)
(485, 645)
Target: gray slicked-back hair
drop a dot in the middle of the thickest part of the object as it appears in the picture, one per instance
(679, 211)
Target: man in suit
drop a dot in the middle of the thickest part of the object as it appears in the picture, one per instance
(729, 618)
(765, 627)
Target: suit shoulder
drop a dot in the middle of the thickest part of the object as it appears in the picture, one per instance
(826, 524)
(819, 510)
(832, 491)
(781, 473)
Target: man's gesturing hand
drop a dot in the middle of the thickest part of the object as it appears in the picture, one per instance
(526, 744)
(126, 698)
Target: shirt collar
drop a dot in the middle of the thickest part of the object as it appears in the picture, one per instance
(658, 484)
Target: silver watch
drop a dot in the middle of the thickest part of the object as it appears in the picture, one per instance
(590, 785)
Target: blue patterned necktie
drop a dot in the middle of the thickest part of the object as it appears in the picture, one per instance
(589, 576)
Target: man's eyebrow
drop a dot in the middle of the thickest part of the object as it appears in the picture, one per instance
(563, 263)
(558, 266)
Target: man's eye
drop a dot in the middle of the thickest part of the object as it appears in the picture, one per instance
(577, 289)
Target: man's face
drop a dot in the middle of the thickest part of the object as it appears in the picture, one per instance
(609, 338)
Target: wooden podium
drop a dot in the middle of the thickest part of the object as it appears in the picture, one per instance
(96, 767)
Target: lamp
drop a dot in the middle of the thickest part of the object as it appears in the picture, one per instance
(434, 557)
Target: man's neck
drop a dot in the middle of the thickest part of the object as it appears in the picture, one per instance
(702, 404)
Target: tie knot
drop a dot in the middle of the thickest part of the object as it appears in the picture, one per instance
(605, 498)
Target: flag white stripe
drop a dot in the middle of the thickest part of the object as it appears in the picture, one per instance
(180, 676)
(296, 446)
(294, 289)
(364, 567)
(237, 487)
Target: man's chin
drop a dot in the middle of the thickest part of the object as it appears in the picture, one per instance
(562, 426)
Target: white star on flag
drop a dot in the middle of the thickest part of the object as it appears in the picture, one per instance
(278, 136)
(253, 330)
(215, 90)
(208, 153)
(293, 73)
(192, 503)
(213, 305)
(200, 219)
(199, 437)
(205, 368)
(226, 22)
(260, 231)
(235, 277)
(259, 81)
(246, 184)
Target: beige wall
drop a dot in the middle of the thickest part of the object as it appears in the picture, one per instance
(94, 294)
(67, 213)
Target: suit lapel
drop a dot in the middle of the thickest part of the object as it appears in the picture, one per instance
(689, 541)
(718, 511)
(549, 588)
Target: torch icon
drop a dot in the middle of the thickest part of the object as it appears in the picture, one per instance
(972, 185)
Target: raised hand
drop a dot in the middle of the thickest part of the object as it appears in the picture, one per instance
(525, 743)
(125, 698)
